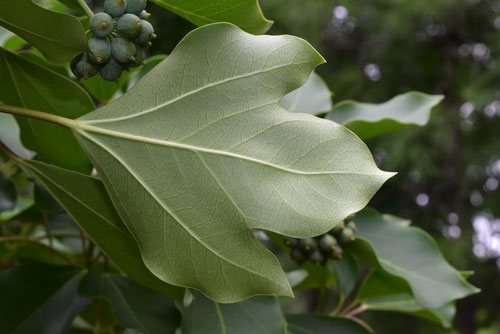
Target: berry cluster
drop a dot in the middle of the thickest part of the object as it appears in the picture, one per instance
(121, 36)
(321, 248)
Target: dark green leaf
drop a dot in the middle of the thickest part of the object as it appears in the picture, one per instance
(346, 274)
(39, 298)
(256, 315)
(246, 14)
(390, 244)
(318, 324)
(26, 84)
(134, 306)
(7, 194)
(369, 120)
(85, 199)
(58, 36)
(10, 135)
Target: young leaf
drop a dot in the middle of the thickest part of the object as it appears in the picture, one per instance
(58, 36)
(257, 315)
(39, 298)
(246, 14)
(319, 324)
(370, 120)
(85, 199)
(134, 306)
(313, 97)
(411, 254)
(200, 151)
(26, 84)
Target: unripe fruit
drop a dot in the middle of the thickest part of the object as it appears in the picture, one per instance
(337, 253)
(136, 6)
(308, 245)
(123, 50)
(328, 243)
(337, 229)
(317, 257)
(115, 8)
(346, 236)
(111, 71)
(352, 226)
(100, 49)
(147, 33)
(298, 256)
(290, 242)
(128, 25)
(82, 68)
(144, 15)
(101, 25)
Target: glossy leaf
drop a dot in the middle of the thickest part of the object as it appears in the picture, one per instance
(369, 120)
(134, 306)
(39, 298)
(85, 199)
(209, 154)
(319, 324)
(26, 84)
(407, 252)
(42, 28)
(382, 291)
(346, 274)
(257, 315)
(313, 97)
(246, 14)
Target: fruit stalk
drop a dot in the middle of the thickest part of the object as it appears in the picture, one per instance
(85, 7)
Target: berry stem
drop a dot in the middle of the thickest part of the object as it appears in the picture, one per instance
(69, 123)
(85, 7)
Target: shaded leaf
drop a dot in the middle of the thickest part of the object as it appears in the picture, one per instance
(28, 85)
(313, 97)
(134, 306)
(194, 162)
(256, 315)
(10, 136)
(369, 120)
(319, 324)
(411, 254)
(246, 14)
(42, 28)
(39, 298)
(85, 199)
(24, 197)
(346, 274)
(7, 194)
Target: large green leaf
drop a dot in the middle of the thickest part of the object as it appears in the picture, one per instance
(369, 120)
(382, 291)
(58, 36)
(257, 315)
(196, 161)
(10, 136)
(26, 84)
(134, 306)
(86, 200)
(318, 324)
(390, 244)
(313, 97)
(246, 14)
(39, 298)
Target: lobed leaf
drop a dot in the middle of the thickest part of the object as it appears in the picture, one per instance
(369, 120)
(199, 152)
(58, 36)
(246, 14)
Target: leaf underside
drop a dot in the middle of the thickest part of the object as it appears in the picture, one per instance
(200, 151)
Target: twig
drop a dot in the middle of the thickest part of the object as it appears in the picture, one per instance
(41, 244)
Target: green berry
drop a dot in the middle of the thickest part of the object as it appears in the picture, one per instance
(298, 256)
(144, 15)
(100, 50)
(82, 68)
(128, 25)
(111, 71)
(101, 25)
(336, 254)
(123, 50)
(328, 243)
(352, 226)
(337, 229)
(115, 8)
(147, 33)
(290, 242)
(308, 245)
(317, 257)
(136, 6)
(346, 236)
